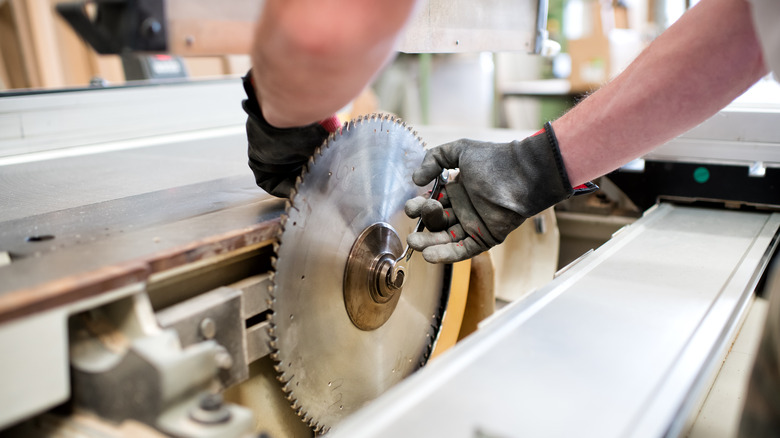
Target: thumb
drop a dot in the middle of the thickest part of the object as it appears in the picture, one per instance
(446, 156)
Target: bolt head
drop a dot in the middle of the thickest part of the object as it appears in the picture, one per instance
(208, 328)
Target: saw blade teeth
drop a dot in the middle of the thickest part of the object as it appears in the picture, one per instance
(301, 198)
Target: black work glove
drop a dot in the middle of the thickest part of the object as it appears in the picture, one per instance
(277, 155)
(499, 186)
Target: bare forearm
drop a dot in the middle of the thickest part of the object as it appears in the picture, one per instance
(695, 68)
(312, 57)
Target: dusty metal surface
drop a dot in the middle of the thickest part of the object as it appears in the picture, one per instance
(78, 226)
(37, 284)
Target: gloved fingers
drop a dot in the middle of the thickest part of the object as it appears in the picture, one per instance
(436, 217)
(436, 213)
(446, 156)
(451, 218)
(452, 252)
(420, 241)
(443, 197)
(431, 212)
(413, 207)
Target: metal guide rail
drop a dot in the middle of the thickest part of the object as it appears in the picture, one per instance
(620, 344)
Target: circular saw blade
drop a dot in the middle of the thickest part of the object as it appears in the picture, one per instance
(329, 368)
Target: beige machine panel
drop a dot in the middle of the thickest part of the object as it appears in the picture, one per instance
(437, 26)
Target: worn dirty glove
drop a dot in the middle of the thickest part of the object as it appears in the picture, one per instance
(277, 155)
(499, 186)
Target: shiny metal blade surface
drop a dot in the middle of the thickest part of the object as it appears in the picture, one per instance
(329, 368)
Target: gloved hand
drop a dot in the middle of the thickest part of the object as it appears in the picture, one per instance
(277, 155)
(499, 186)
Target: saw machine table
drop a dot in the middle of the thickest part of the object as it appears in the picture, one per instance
(89, 223)
(142, 267)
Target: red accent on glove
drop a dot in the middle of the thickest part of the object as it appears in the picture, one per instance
(331, 124)
(541, 131)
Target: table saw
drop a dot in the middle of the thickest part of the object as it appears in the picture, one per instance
(137, 285)
(149, 288)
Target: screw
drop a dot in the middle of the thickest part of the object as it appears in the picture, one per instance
(224, 360)
(208, 328)
(539, 225)
(150, 27)
(397, 277)
(211, 402)
(210, 410)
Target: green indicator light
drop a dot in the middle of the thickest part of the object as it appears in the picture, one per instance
(701, 175)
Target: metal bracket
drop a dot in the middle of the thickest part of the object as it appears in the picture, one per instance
(124, 366)
(119, 25)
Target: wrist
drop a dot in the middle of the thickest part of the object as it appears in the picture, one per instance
(552, 139)
(253, 109)
(277, 155)
(579, 186)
